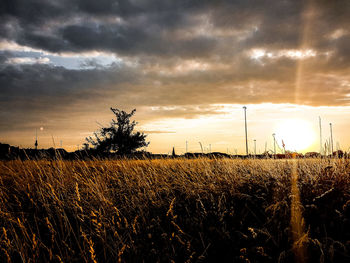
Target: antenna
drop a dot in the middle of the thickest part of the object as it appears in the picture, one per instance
(245, 122)
(254, 147)
(319, 120)
(330, 126)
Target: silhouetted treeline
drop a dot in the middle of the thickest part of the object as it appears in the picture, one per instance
(8, 152)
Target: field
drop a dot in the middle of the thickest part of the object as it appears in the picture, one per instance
(175, 210)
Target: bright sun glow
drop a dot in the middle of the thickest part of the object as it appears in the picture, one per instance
(296, 134)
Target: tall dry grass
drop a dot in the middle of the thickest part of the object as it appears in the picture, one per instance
(176, 210)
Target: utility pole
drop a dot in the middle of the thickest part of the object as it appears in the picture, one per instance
(186, 146)
(330, 126)
(209, 148)
(319, 120)
(246, 134)
(255, 147)
(274, 144)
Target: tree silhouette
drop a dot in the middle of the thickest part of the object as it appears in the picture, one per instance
(120, 136)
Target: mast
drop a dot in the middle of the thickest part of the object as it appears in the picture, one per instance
(36, 139)
(319, 120)
(330, 126)
(245, 124)
(255, 147)
(274, 144)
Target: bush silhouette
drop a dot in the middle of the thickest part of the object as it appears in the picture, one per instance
(120, 136)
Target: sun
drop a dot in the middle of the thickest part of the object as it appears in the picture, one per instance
(297, 134)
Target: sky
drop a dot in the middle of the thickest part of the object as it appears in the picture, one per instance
(188, 67)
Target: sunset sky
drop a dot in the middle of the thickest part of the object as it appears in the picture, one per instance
(188, 67)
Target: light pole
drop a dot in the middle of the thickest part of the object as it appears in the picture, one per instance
(246, 134)
(330, 126)
(274, 144)
(255, 147)
(320, 126)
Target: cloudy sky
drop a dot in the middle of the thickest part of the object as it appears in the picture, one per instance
(188, 67)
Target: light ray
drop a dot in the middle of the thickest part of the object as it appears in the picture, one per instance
(297, 220)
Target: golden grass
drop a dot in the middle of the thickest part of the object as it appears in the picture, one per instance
(175, 210)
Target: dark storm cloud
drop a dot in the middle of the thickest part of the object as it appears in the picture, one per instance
(152, 27)
(30, 92)
(173, 53)
(88, 25)
(36, 12)
(130, 40)
(3, 57)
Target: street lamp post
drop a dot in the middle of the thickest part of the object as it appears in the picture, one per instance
(330, 126)
(255, 147)
(245, 124)
(320, 126)
(274, 144)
